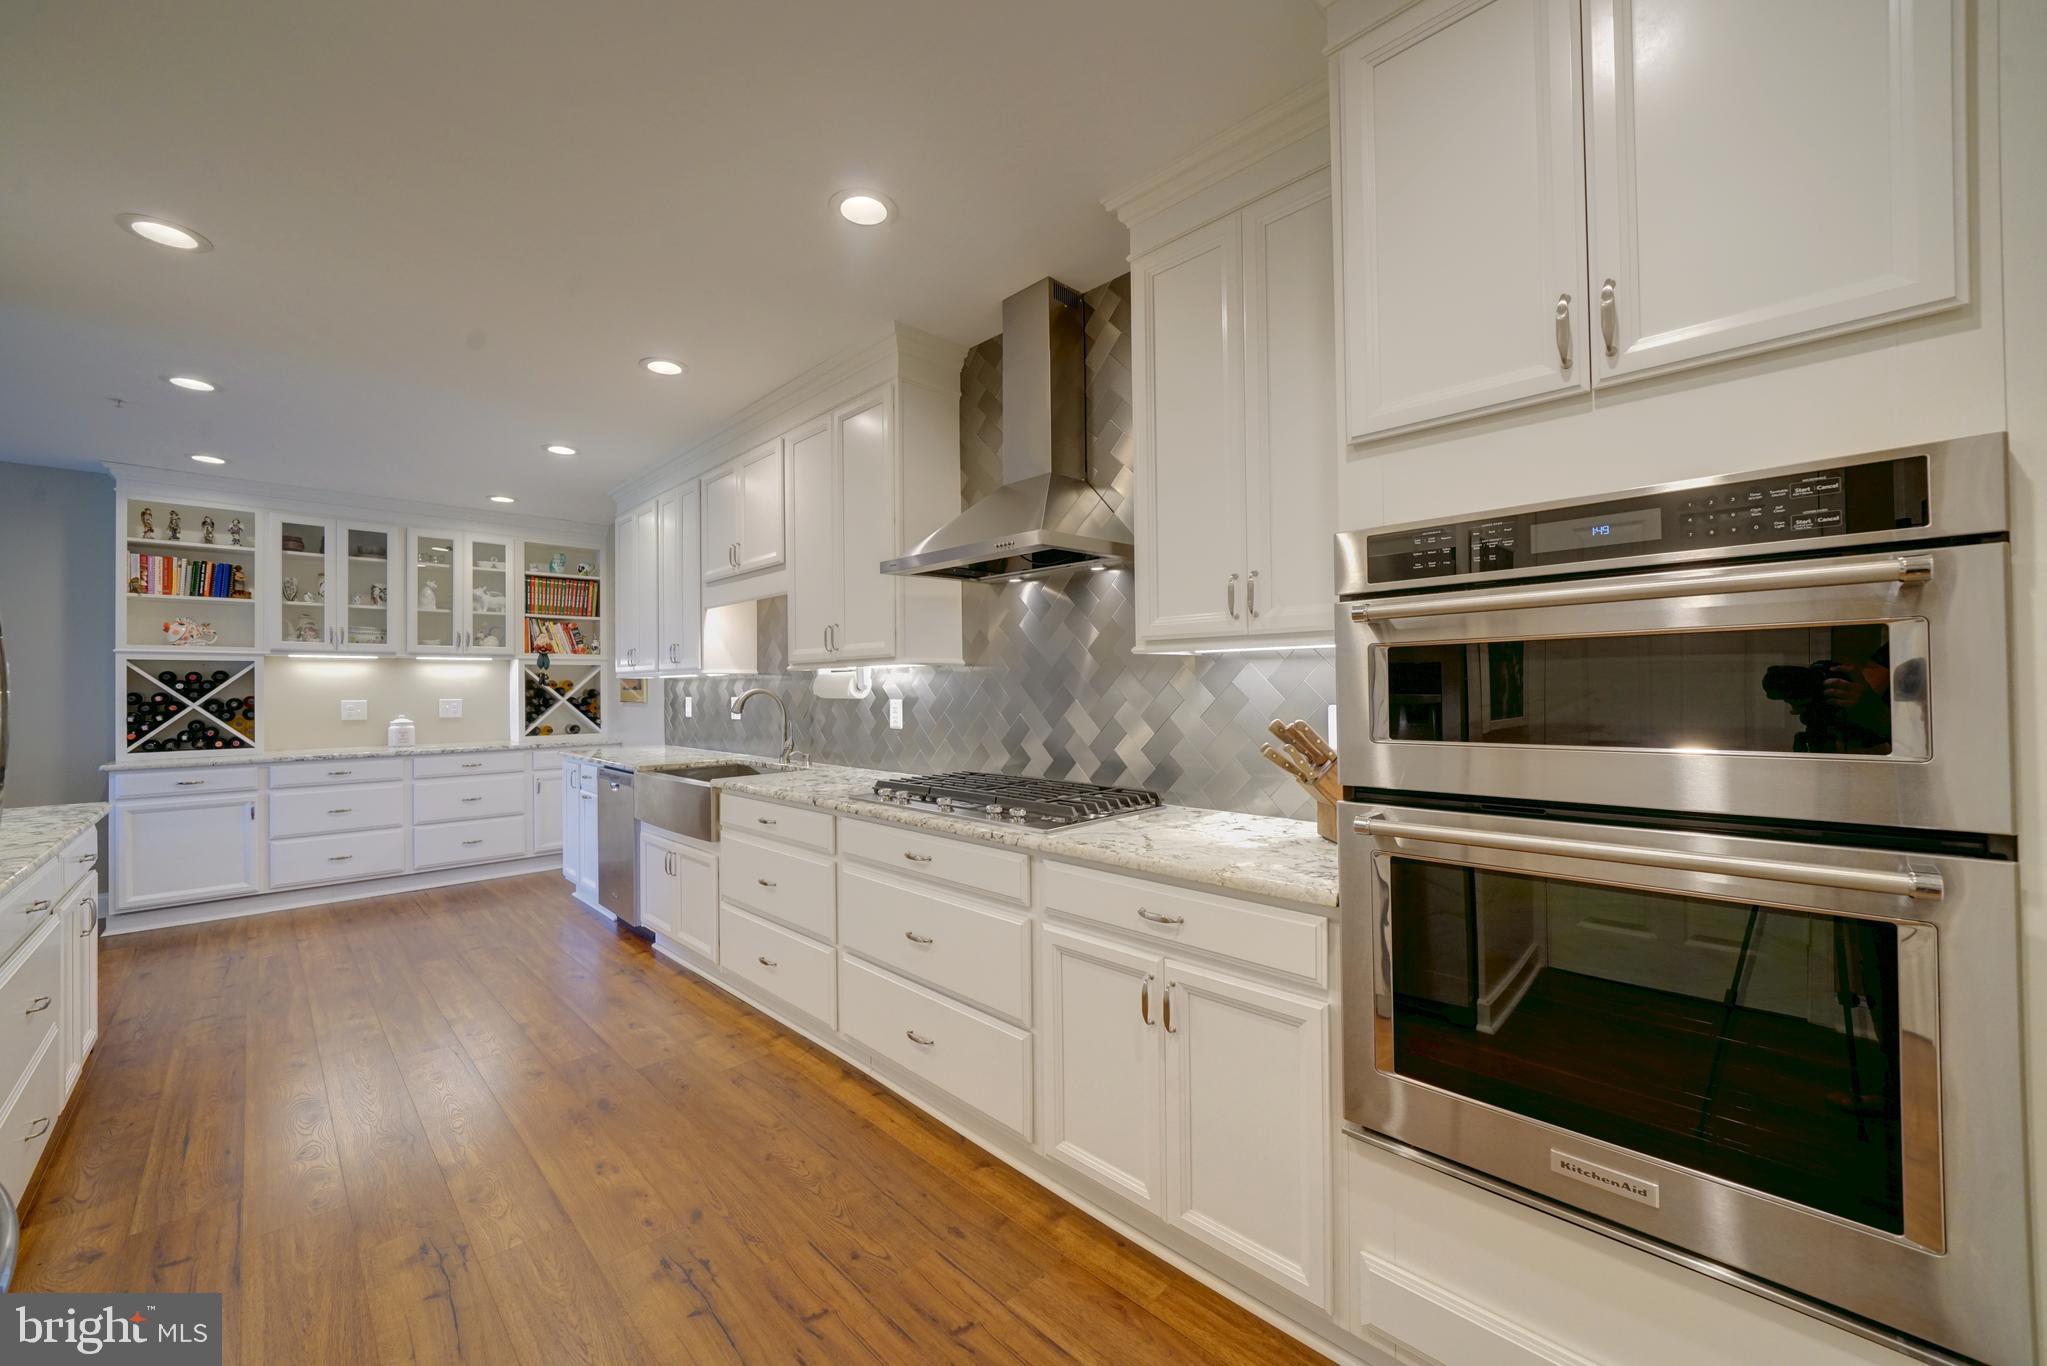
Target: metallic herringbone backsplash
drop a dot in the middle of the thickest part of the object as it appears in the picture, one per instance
(1053, 686)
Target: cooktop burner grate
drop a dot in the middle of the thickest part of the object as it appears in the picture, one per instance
(1035, 803)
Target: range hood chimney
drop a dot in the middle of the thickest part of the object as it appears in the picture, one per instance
(1046, 516)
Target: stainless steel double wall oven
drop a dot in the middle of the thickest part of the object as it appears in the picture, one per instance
(1678, 882)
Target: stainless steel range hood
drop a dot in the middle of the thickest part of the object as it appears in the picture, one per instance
(1046, 516)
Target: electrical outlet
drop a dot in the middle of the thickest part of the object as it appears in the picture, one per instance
(895, 713)
(689, 708)
(1332, 725)
(355, 709)
(451, 707)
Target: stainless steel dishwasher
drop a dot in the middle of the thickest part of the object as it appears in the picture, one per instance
(618, 844)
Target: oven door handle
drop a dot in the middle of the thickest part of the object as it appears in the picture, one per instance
(1916, 882)
(1893, 569)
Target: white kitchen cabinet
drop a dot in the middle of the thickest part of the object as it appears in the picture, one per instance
(459, 593)
(547, 807)
(1461, 162)
(813, 543)
(679, 587)
(743, 514)
(180, 850)
(586, 838)
(660, 885)
(571, 819)
(78, 923)
(1237, 444)
(1760, 173)
(1248, 1123)
(679, 893)
(1100, 1083)
(329, 584)
(637, 628)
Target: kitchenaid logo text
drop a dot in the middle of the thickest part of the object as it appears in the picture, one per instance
(1606, 1178)
(165, 1330)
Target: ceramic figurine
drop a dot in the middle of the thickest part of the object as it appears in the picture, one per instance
(428, 599)
(206, 529)
(559, 564)
(584, 570)
(234, 532)
(177, 525)
(377, 596)
(355, 599)
(290, 590)
(540, 661)
(489, 638)
(149, 523)
(309, 630)
(185, 631)
(320, 593)
(238, 586)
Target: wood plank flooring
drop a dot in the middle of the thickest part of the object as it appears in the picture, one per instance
(480, 1125)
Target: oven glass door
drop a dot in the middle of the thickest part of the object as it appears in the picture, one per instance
(1783, 1050)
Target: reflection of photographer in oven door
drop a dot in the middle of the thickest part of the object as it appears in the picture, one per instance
(1861, 695)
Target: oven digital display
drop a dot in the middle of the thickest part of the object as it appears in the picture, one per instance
(1617, 528)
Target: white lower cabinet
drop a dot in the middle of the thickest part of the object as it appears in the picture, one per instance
(586, 837)
(793, 968)
(547, 811)
(26, 1123)
(177, 850)
(79, 925)
(572, 821)
(458, 842)
(1103, 1072)
(336, 858)
(678, 892)
(973, 1057)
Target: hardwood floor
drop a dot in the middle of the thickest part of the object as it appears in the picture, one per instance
(480, 1125)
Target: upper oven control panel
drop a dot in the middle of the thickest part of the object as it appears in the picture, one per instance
(1880, 495)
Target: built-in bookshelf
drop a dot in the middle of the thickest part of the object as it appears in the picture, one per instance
(189, 577)
(564, 606)
(173, 703)
(565, 699)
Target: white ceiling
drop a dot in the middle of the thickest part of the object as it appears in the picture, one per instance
(445, 233)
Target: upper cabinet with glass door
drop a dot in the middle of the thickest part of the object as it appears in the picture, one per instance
(327, 586)
(1540, 197)
(460, 596)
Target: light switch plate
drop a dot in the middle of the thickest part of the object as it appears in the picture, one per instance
(355, 709)
(451, 707)
(895, 713)
(689, 708)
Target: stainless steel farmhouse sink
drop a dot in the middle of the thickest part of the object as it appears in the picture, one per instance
(685, 802)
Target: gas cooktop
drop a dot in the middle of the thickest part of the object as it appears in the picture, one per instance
(1001, 799)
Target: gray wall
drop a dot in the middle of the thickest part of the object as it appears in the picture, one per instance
(57, 609)
(1053, 686)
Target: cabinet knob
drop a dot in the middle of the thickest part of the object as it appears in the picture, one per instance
(917, 858)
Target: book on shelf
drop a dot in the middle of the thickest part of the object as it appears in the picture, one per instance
(557, 638)
(176, 576)
(564, 597)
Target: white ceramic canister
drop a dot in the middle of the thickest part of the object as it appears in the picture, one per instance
(402, 733)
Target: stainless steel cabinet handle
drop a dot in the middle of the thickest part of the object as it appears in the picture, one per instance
(1156, 918)
(87, 860)
(470, 844)
(1144, 998)
(1168, 1009)
(38, 1129)
(768, 883)
(37, 907)
(768, 962)
(762, 820)
(1563, 331)
(191, 782)
(477, 764)
(467, 800)
(1917, 882)
(1609, 319)
(917, 858)
(736, 556)
(339, 772)
(339, 810)
(1230, 596)
(1251, 595)
(1681, 584)
(339, 858)
(914, 1037)
(41, 1003)
(916, 938)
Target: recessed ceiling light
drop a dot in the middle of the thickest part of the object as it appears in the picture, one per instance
(864, 209)
(503, 498)
(209, 459)
(664, 367)
(163, 234)
(192, 382)
(559, 449)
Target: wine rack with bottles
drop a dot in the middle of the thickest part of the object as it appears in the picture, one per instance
(568, 699)
(175, 705)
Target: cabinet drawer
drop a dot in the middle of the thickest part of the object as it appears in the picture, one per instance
(982, 1061)
(80, 859)
(798, 825)
(978, 867)
(779, 962)
(31, 1000)
(782, 884)
(330, 811)
(977, 953)
(321, 773)
(442, 846)
(460, 765)
(175, 782)
(336, 858)
(468, 799)
(1289, 942)
(23, 913)
(25, 1127)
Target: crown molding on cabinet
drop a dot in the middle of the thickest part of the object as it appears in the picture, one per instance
(148, 480)
(904, 353)
(1300, 114)
(1349, 18)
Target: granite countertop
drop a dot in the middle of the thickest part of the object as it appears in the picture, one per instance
(1266, 856)
(214, 757)
(30, 836)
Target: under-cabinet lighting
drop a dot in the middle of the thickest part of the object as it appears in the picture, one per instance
(346, 659)
(1249, 649)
